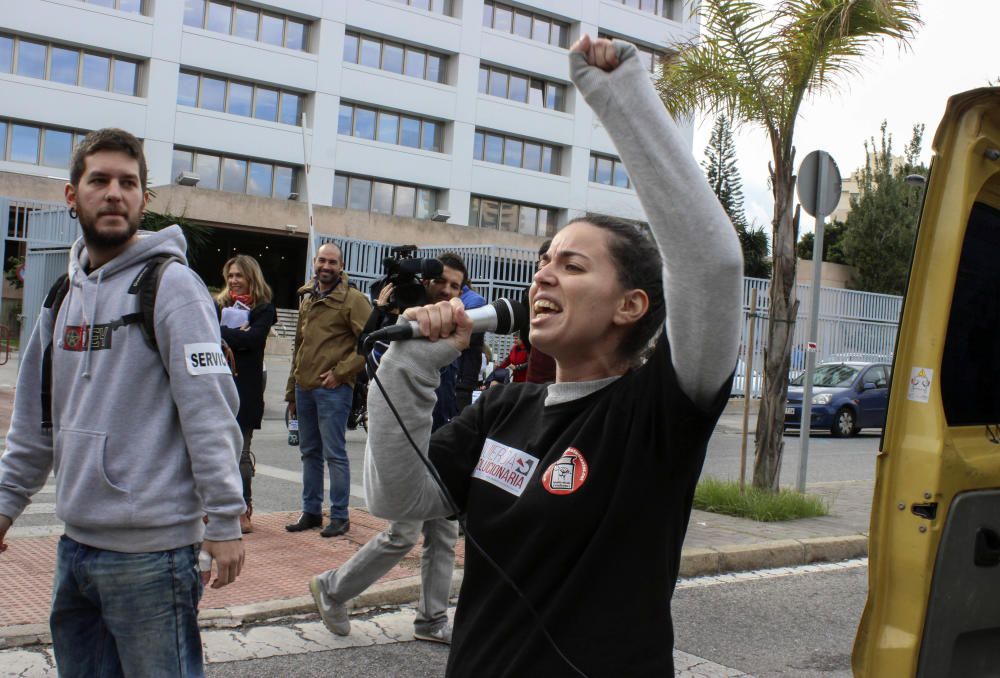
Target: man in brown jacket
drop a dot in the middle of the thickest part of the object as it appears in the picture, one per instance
(320, 388)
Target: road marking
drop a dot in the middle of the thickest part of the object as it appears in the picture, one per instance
(40, 508)
(357, 491)
(773, 573)
(36, 531)
(36, 663)
(260, 642)
(689, 666)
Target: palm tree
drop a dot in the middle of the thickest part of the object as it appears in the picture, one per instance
(198, 236)
(756, 65)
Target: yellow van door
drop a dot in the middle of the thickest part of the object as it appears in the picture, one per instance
(933, 604)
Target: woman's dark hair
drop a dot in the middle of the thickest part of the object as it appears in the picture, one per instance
(637, 261)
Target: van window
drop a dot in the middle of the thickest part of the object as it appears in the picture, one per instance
(970, 368)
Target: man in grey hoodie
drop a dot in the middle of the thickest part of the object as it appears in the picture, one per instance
(144, 443)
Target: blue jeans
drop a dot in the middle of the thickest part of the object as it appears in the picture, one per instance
(322, 414)
(126, 614)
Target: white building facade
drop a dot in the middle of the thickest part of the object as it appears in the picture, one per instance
(458, 114)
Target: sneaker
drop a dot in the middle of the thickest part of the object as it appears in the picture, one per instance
(337, 527)
(441, 634)
(333, 614)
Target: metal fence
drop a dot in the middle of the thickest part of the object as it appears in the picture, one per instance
(852, 324)
(48, 232)
(859, 325)
(495, 271)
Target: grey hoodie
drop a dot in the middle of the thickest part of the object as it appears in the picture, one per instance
(140, 452)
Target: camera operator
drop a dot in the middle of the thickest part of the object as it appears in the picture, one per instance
(454, 282)
(409, 282)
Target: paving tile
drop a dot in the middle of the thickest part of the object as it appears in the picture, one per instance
(278, 566)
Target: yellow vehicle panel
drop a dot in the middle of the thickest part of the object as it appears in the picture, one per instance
(930, 611)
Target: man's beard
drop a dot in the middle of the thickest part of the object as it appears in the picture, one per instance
(93, 238)
(329, 277)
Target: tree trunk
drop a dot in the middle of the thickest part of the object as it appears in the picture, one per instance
(780, 332)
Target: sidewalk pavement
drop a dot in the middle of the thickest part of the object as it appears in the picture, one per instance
(279, 563)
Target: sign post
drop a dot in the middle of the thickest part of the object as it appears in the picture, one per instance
(818, 188)
(747, 386)
(308, 197)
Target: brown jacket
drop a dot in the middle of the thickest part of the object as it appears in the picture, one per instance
(326, 336)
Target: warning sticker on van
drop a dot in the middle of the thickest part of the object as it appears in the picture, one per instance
(921, 379)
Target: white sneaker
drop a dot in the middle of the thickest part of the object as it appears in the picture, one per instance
(441, 634)
(333, 614)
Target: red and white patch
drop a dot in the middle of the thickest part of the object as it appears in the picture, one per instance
(567, 474)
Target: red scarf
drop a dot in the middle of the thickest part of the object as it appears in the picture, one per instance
(245, 298)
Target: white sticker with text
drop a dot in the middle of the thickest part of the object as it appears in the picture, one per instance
(206, 358)
(505, 467)
(920, 384)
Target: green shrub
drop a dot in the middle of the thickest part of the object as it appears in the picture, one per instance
(720, 496)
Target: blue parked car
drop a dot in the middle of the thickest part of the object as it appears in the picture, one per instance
(847, 397)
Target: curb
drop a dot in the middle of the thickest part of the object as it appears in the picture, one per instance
(694, 563)
(389, 594)
(767, 555)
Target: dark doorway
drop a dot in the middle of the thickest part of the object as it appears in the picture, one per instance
(282, 258)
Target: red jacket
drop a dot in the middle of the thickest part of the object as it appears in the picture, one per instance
(518, 360)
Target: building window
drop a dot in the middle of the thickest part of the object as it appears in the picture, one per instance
(237, 175)
(504, 215)
(652, 60)
(239, 98)
(515, 152)
(369, 194)
(68, 65)
(6, 54)
(394, 57)
(530, 25)
(664, 8)
(64, 65)
(35, 145)
(247, 22)
(500, 82)
(392, 128)
(608, 171)
(131, 6)
(436, 6)
(31, 59)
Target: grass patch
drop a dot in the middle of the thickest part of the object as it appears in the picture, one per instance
(720, 496)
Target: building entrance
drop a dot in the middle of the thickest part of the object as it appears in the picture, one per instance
(282, 258)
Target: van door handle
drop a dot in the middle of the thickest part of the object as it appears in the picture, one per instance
(987, 552)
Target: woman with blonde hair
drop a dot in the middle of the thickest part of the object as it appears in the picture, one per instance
(246, 314)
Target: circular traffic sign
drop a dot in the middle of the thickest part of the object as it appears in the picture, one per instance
(818, 184)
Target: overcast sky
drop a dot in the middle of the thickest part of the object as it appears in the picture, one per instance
(955, 50)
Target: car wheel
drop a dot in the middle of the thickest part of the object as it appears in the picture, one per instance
(843, 423)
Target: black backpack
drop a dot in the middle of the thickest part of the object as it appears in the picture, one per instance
(144, 285)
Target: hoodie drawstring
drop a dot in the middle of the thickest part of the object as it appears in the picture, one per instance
(87, 323)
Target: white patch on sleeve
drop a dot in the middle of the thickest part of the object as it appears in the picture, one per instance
(505, 467)
(206, 358)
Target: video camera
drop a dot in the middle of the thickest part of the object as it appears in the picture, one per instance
(406, 273)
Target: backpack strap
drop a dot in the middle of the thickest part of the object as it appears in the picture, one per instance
(53, 302)
(145, 285)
